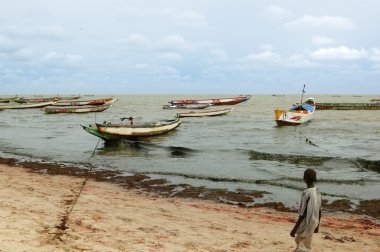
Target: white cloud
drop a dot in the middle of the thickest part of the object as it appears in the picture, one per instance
(299, 61)
(170, 56)
(266, 56)
(275, 13)
(41, 32)
(340, 52)
(7, 45)
(267, 47)
(325, 22)
(55, 58)
(173, 42)
(135, 39)
(375, 54)
(219, 54)
(186, 18)
(322, 40)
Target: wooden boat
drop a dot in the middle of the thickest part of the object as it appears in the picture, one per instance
(37, 100)
(216, 102)
(86, 102)
(8, 99)
(75, 109)
(186, 106)
(112, 132)
(27, 105)
(348, 106)
(298, 114)
(205, 113)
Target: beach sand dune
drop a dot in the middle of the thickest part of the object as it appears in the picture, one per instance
(41, 212)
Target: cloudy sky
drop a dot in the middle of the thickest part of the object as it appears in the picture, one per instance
(189, 47)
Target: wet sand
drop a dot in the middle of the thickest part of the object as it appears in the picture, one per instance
(46, 208)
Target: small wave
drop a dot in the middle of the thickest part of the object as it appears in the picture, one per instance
(290, 158)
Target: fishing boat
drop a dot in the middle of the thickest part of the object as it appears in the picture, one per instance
(37, 100)
(112, 132)
(205, 113)
(75, 109)
(216, 101)
(27, 105)
(8, 99)
(348, 106)
(298, 114)
(105, 101)
(186, 106)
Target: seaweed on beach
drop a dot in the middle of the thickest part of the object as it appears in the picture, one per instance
(290, 158)
(373, 165)
(161, 187)
(369, 207)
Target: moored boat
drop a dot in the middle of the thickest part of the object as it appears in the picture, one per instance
(298, 114)
(85, 102)
(216, 101)
(111, 132)
(26, 105)
(348, 106)
(75, 109)
(37, 100)
(205, 113)
(186, 106)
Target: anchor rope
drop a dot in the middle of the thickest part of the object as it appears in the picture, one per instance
(65, 218)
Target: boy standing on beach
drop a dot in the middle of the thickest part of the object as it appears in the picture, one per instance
(309, 213)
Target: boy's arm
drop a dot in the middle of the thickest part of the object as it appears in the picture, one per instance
(301, 216)
(320, 215)
(296, 226)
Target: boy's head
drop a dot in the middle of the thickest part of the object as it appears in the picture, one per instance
(310, 175)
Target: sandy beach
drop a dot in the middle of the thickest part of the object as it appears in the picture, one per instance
(42, 212)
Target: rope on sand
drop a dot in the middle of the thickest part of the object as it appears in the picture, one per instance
(62, 226)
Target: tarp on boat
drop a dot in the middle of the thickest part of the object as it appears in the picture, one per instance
(303, 107)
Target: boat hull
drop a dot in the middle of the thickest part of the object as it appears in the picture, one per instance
(26, 106)
(215, 102)
(84, 103)
(205, 113)
(75, 109)
(186, 106)
(292, 118)
(112, 132)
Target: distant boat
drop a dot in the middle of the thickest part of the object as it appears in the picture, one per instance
(86, 102)
(8, 99)
(186, 106)
(74, 97)
(348, 106)
(205, 113)
(112, 132)
(37, 100)
(376, 99)
(75, 109)
(216, 101)
(27, 105)
(298, 114)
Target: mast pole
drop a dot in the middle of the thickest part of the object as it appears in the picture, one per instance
(303, 91)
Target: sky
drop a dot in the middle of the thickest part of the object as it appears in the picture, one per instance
(189, 47)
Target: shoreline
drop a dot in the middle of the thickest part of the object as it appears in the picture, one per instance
(163, 188)
(41, 211)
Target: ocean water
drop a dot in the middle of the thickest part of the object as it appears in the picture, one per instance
(241, 150)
